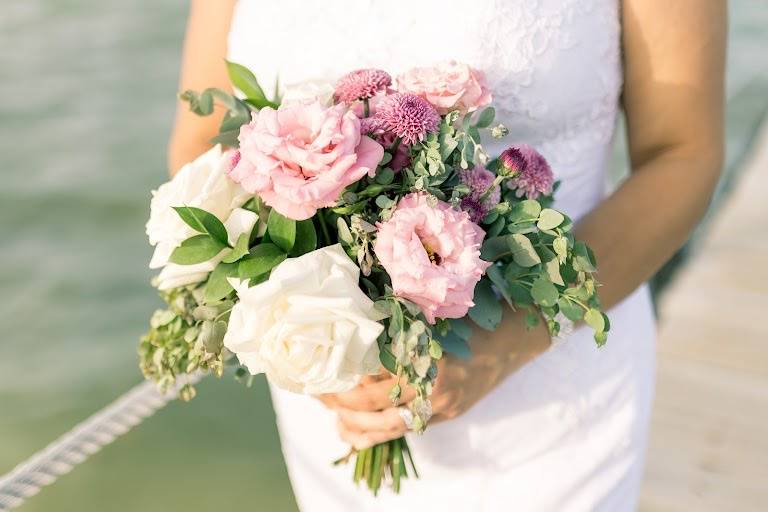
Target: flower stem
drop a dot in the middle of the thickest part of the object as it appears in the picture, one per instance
(395, 147)
(496, 182)
(382, 463)
(366, 108)
(324, 226)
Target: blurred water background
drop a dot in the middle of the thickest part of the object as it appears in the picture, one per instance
(86, 101)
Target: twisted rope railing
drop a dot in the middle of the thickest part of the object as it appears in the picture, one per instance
(85, 439)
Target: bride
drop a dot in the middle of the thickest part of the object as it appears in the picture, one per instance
(525, 424)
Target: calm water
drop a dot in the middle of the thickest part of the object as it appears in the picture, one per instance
(86, 99)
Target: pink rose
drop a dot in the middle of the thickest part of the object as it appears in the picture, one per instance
(432, 255)
(301, 156)
(448, 86)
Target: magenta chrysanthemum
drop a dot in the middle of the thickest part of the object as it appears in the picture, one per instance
(533, 176)
(481, 198)
(368, 126)
(407, 116)
(512, 161)
(361, 84)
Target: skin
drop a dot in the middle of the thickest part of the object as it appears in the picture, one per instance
(673, 100)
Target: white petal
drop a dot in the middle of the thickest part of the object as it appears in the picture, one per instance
(240, 221)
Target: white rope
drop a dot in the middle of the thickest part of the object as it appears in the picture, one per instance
(87, 438)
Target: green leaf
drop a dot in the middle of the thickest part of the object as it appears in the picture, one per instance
(199, 103)
(226, 99)
(203, 222)
(570, 309)
(261, 259)
(212, 335)
(435, 350)
(462, 329)
(487, 311)
(496, 227)
(306, 238)
(553, 271)
(454, 344)
(607, 323)
(195, 250)
(495, 248)
(227, 138)
(240, 249)
(447, 147)
(345, 235)
(594, 318)
(388, 361)
(497, 278)
(560, 245)
(233, 122)
(570, 275)
(601, 338)
(527, 210)
(544, 292)
(486, 118)
(217, 286)
(282, 230)
(520, 294)
(385, 176)
(549, 219)
(516, 245)
(522, 228)
(583, 258)
(396, 320)
(523, 252)
(384, 202)
(245, 80)
(474, 134)
(532, 319)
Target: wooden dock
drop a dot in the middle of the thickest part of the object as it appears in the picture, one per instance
(709, 434)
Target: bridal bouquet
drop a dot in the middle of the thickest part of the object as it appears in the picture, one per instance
(352, 229)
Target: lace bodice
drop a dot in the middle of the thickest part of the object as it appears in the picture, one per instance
(553, 65)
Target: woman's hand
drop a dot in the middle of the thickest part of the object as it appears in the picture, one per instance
(367, 415)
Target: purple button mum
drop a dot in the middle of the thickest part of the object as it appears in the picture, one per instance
(481, 198)
(407, 116)
(361, 84)
(532, 174)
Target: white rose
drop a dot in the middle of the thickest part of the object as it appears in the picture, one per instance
(204, 184)
(309, 327)
(308, 91)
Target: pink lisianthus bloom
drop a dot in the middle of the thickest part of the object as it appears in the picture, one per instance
(432, 255)
(447, 86)
(301, 156)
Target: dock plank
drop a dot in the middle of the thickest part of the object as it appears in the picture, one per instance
(708, 450)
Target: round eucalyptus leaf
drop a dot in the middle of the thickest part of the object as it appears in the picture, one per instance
(549, 219)
(544, 292)
(594, 318)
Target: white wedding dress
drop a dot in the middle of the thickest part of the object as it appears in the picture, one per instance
(568, 431)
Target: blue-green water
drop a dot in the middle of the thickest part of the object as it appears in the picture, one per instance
(86, 101)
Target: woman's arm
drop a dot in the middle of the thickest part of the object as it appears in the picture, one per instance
(202, 66)
(674, 56)
(674, 60)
